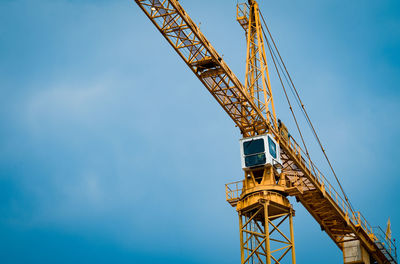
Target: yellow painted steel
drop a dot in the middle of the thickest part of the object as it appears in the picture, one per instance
(251, 108)
(263, 238)
(200, 56)
(260, 200)
(258, 83)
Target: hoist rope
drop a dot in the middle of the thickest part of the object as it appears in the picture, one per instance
(300, 104)
(287, 98)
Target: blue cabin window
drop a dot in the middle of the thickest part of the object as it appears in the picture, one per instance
(272, 147)
(253, 146)
(255, 160)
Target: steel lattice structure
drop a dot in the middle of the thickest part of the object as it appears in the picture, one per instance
(258, 198)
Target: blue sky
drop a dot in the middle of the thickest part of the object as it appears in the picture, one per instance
(111, 151)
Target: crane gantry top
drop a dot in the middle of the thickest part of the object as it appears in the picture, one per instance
(251, 107)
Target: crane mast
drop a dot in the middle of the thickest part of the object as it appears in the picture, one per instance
(265, 213)
(274, 165)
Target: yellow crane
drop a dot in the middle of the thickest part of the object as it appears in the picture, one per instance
(274, 164)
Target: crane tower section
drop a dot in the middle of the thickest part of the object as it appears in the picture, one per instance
(263, 208)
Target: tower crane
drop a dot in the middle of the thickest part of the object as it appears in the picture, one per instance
(275, 165)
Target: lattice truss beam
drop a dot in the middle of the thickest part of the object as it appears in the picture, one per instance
(318, 206)
(266, 239)
(257, 76)
(324, 207)
(257, 83)
(196, 51)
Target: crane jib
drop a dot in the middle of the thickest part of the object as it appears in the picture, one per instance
(196, 51)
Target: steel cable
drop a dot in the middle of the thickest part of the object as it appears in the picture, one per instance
(301, 106)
